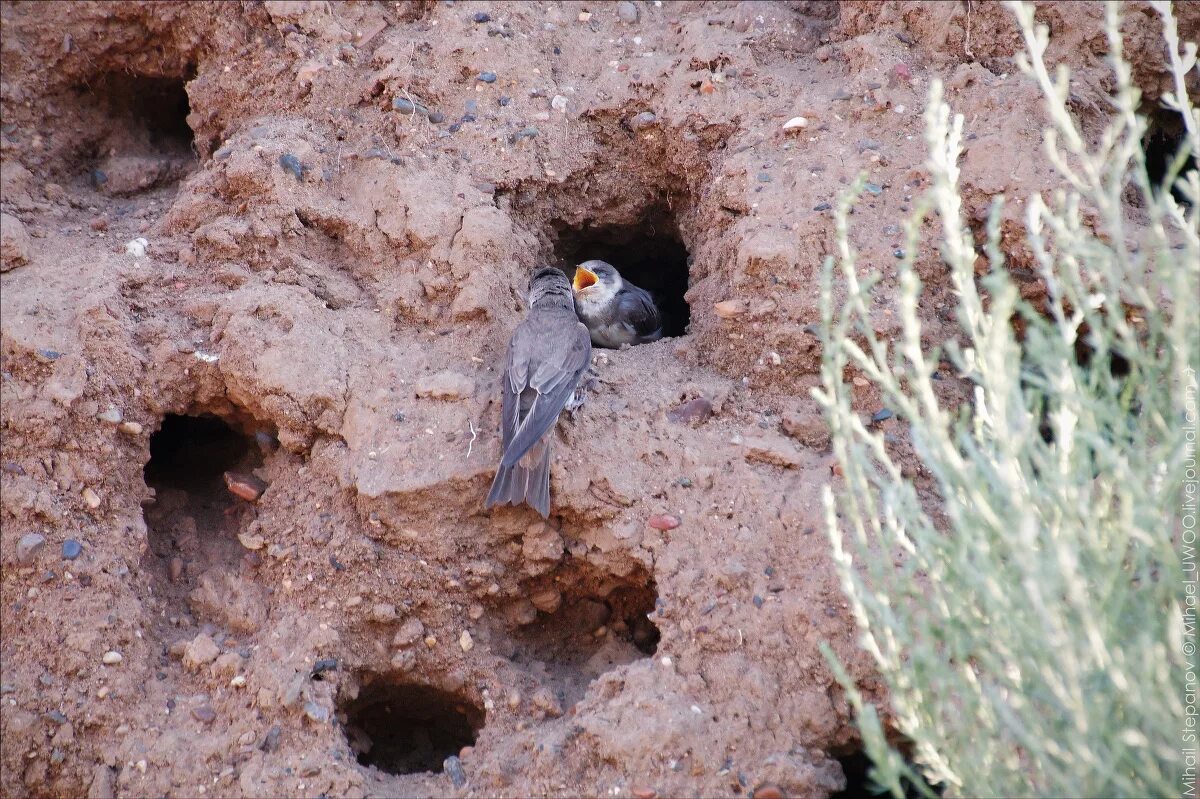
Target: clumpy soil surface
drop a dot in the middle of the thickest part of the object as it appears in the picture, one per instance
(340, 205)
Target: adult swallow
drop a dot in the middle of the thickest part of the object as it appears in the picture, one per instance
(547, 355)
(615, 311)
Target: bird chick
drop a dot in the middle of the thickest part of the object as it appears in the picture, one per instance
(547, 354)
(615, 311)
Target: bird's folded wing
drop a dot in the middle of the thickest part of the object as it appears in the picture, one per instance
(637, 309)
(553, 365)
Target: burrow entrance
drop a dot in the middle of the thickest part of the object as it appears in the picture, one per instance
(856, 765)
(136, 135)
(401, 727)
(193, 520)
(577, 623)
(649, 254)
(1164, 138)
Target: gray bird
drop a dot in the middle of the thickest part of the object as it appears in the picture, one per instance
(547, 355)
(615, 311)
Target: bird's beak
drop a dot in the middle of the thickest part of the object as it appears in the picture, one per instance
(584, 278)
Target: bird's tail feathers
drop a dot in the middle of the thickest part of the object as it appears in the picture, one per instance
(527, 480)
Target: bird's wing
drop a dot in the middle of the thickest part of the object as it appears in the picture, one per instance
(553, 359)
(636, 308)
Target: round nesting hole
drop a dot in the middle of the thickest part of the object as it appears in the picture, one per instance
(1164, 139)
(650, 254)
(407, 728)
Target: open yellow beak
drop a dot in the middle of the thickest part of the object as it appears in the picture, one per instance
(584, 277)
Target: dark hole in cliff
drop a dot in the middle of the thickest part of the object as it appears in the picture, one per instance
(193, 452)
(857, 767)
(405, 728)
(193, 519)
(139, 135)
(1164, 138)
(650, 254)
(573, 625)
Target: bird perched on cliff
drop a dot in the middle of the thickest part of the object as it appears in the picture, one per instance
(547, 355)
(615, 311)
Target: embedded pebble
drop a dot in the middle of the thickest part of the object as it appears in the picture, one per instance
(111, 658)
(91, 498)
(486, 77)
(28, 547)
(881, 415)
(559, 103)
(204, 714)
(795, 124)
(663, 521)
(245, 486)
(383, 612)
(112, 415)
(292, 164)
(548, 600)
(71, 549)
(481, 17)
(200, 651)
(315, 712)
(822, 207)
(175, 569)
(452, 766)
(406, 106)
(696, 410)
(627, 12)
(409, 633)
(271, 741)
(767, 791)
(642, 120)
(130, 428)
(323, 665)
(466, 641)
(137, 248)
(729, 309)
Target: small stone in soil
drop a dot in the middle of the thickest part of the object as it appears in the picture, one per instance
(175, 569)
(454, 770)
(111, 658)
(627, 12)
(292, 164)
(481, 17)
(696, 410)
(899, 253)
(437, 117)
(28, 548)
(271, 741)
(664, 521)
(323, 665)
(204, 714)
(642, 120)
(881, 415)
(486, 77)
(56, 716)
(316, 712)
(245, 486)
(505, 101)
(71, 549)
(873, 188)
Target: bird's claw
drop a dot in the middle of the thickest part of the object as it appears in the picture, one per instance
(579, 395)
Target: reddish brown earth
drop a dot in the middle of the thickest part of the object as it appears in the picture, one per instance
(328, 287)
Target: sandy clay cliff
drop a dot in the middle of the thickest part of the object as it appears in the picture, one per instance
(288, 241)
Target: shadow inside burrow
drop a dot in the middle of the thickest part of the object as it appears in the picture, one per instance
(649, 254)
